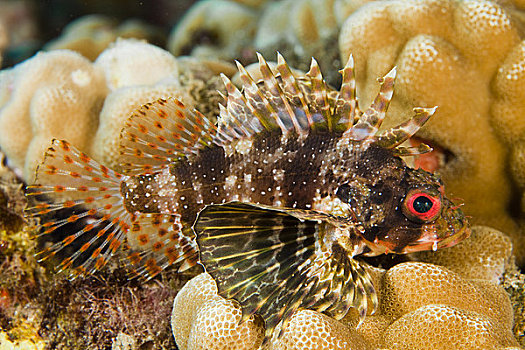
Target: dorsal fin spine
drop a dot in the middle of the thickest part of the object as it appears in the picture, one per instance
(319, 92)
(291, 85)
(273, 87)
(347, 101)
(254, 96)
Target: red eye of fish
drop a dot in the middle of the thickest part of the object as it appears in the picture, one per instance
(421, 206)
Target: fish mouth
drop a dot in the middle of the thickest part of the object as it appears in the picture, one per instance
(434, 236)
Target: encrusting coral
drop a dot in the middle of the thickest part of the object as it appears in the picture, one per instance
(467, 58)
(90, 35)
(416, 299)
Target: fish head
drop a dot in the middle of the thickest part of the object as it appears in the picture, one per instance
(402, 210)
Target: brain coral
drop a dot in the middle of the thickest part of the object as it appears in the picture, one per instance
(467, 58)
(422, 306)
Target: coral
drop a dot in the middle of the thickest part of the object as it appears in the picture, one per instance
(300, 30)
(487, 254)
(423, 329)
(467, 58)
(90, 35)
(203, 320)
(31, 343)
(422, 306)
(214, 29)
(54, 94)
(18, 30)
(61, 94)
(514, 284)
(129, 62)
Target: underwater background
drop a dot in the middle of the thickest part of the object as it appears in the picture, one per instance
(77, 70)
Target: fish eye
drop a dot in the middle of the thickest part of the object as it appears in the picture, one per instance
(421, 206)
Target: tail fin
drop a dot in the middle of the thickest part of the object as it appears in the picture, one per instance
(82, 212)
(80, 206)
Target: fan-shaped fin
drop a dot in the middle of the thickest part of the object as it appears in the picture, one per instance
(80, 208)
(156, 241)
(160, 132)
(272, 261)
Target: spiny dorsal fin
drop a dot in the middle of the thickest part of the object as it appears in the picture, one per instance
(161, 132)
(277, 97)
(371, 119)
(346, 103)
(319, 94)
(292, 89)
(395, 136)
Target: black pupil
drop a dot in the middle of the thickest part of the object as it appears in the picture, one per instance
(422, 204)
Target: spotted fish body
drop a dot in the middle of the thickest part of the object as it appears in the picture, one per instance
(275, 200)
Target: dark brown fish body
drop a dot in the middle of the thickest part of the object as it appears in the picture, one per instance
(292, 183)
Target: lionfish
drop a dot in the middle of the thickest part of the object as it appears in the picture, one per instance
(276, 200)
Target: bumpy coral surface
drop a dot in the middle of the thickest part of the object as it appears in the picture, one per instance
(55, 94)
(90, 35)
(61, 94)
(214, 29)
(203, 320)
(422, 306)
(487, 254)
(467, 58)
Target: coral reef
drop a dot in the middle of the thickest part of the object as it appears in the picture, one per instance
(61, 94)
(54, 94)
(214, 29)
(200, 317)
(416, 299)
(90, 35)
(465, 57)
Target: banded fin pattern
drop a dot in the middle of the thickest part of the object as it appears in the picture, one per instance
(84, 202)
(161, 243)
(269, 260)
(161, 132)
(86, 218)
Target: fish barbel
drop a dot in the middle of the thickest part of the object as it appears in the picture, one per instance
(277, 200)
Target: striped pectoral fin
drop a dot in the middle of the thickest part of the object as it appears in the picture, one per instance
(160, 132)
(259, 256)
(341, 283)
(78, 203)
(156, 241)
